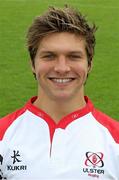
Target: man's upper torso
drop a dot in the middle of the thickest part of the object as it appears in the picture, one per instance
(83, 145)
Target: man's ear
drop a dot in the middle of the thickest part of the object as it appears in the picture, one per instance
(90, 66)
(32, 66)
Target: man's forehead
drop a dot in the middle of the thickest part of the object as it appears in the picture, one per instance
(62, 41)
(62, 35)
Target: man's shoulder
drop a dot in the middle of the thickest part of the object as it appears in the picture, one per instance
(6, 121)
(111, 124)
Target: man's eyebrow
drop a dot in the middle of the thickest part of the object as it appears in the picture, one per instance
(76, 52)
(45, 51)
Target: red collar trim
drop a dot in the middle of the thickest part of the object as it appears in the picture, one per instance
(65, 120)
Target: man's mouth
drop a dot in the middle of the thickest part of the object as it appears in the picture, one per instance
(62, 80)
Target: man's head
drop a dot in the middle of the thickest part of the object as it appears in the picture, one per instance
(60, 20)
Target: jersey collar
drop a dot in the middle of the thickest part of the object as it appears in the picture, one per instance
(65, 120)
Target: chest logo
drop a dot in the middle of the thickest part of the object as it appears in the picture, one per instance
(15, 156)
(94, 159)
(17, 164)
(94, 163)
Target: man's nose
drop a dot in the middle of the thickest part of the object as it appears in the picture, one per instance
(62, 65)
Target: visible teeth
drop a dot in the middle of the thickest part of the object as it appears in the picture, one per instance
(62, 80)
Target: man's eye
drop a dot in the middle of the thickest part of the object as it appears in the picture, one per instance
(48, 56)
(75, 57)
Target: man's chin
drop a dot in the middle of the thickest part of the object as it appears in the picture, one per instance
(64, 97)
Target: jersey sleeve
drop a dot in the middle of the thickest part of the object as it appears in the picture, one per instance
(113, 127)
(5, 123)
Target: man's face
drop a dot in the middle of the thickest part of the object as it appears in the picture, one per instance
(61, 66)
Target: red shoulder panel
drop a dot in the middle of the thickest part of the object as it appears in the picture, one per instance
(111, 124)
(6, 121)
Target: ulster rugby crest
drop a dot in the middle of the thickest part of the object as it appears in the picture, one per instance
(94, 163)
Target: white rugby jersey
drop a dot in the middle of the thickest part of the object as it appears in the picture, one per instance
(84, 145)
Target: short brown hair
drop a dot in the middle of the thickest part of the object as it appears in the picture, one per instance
(60, 20)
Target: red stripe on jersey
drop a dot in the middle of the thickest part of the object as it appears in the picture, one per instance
(111, 124)
(6, 121)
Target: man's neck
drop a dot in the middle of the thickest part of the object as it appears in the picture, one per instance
(59, 110)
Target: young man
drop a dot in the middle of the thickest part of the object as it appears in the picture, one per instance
(59, 134)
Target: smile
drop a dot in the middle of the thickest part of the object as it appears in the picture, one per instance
(62, 80)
